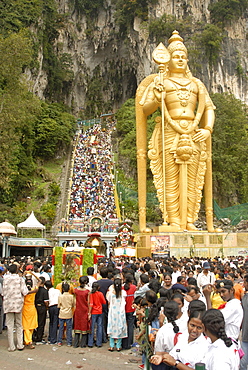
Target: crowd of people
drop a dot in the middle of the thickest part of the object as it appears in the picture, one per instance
(177, 313)
(92, 183)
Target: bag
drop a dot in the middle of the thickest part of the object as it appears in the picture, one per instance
(241, 353)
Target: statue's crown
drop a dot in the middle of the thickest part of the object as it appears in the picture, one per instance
(176, 43)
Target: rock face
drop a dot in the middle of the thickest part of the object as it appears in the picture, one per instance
(108, 66)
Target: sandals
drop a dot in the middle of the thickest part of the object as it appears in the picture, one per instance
(118, 349)
(111, 349)
(30, 346)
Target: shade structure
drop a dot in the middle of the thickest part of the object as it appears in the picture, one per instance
(31, 223)
(7, 229)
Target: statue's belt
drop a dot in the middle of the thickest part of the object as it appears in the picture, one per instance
(184, 124)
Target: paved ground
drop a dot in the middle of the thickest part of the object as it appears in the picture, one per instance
(50, 357)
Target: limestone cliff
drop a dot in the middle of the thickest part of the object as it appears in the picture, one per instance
(109, 64)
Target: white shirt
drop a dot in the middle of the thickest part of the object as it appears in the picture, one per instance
(189, 353)
(233, 315)
(91, 280)
(221, 357)
(205, 279)
(174, 276)
(164, 341)
(53, 295)
(45, 276)
(183, 321)
(35, 281)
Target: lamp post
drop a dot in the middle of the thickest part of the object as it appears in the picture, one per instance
(123, 213)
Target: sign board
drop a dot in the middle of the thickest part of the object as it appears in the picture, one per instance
(160, 246)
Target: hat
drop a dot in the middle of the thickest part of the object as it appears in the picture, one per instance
(206, 265)
(179, 286)
(1, 268)
(29, 267)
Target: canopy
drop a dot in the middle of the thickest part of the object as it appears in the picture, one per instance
(31, 223)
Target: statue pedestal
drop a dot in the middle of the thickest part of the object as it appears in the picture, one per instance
(167, 229)
(191, 243)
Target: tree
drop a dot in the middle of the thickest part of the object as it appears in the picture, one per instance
(18, 108)
(230, 150)
(54, 128)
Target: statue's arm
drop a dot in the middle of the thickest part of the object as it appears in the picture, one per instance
(151, 102)
(207, 121)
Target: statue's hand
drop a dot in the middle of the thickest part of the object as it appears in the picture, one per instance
(201, 135)
(157, 90)
(158, 84)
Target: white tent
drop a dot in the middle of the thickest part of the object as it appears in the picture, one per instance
(31, 223)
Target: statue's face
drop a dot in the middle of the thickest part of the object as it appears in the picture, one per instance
(178, 61)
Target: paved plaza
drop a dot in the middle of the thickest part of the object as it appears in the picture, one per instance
(52, 357)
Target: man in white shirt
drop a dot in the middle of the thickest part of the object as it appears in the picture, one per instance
(90, 272)
(175, 273)
(45, 271)
(14, 290)
(53, 310)
(205, 277)
(35, 275)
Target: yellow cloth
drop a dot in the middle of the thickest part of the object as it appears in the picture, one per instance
(28, 336)
(216, 300)
(29, 313)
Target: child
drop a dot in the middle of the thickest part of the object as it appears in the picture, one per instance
(96, 299)
(141, 323)
(66, 304)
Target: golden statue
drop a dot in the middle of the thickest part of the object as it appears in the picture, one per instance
(180, 146)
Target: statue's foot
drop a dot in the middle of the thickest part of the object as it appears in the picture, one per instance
(191, 227)
(147, 230)
(175, 225)
(213, 230)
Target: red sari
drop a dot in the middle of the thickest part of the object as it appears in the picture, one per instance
(81, 322)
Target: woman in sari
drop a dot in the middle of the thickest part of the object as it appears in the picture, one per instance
(29, 312)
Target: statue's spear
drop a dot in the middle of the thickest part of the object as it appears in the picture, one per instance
(161, 56)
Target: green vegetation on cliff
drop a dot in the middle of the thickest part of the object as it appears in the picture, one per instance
(31, 131)
(230, 151)
(226, 11)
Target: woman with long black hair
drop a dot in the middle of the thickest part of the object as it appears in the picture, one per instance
(129, 288)
(222, 353)
(190, 348)
(81, 317)
(117, 325)
(168, 333)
